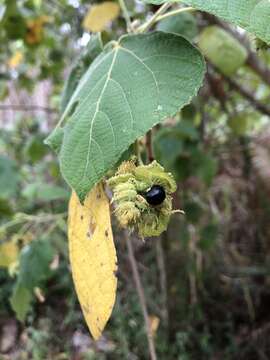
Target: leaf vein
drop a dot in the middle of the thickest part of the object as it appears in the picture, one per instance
(96, 111)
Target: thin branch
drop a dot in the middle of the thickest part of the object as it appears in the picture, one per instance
(163, 279)
(216, 86)
(21, 218)
(202, 126)
(146, 26)
(27, 108)
(246, 93)
(192, 278)
(140, 291)
(174, 12)
(149, 147)
(258, 67)
(126, 15)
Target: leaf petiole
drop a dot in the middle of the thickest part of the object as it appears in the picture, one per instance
(148, 24)
(126, 15)
(159, 15)
(174, 12)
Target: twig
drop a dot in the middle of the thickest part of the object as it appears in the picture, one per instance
(163, 279)
(146, 26)
(216, 87)
(258, 67)
(192, 278)
(149, 147)
(22, 218)
(174, 12)
(27, 108)
(248, 299)
(140, 291)
(126, 15)
(202, 126)
(246, 93)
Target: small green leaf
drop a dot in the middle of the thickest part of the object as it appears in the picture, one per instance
(45, 192)
(251, 15)
(35, 148)
(182, 24)
(35, 259)
(132, 85)
(12, 15)
(20, 301)
(9, 177)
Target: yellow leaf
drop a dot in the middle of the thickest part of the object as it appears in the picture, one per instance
(15, 60)
(8, 254)
(99, 16)
(93, 257)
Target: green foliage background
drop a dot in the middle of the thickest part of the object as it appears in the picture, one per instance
(207, 279)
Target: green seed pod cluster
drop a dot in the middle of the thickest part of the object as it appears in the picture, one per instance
(132, 186)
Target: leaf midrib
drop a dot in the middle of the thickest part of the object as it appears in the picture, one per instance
(116, 50)
(96, 112)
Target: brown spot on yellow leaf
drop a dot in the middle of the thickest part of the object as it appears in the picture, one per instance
(98, 196)
(93, 262)
(92, 225)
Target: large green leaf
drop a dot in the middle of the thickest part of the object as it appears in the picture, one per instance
(251, 15)
(132, 85)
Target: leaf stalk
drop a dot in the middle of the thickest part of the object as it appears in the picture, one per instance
(148, 24)
(174, 12)
(126, 15)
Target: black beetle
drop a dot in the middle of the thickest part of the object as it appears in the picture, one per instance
(155, 195)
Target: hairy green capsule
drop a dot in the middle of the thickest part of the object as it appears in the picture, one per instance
(142, 197)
